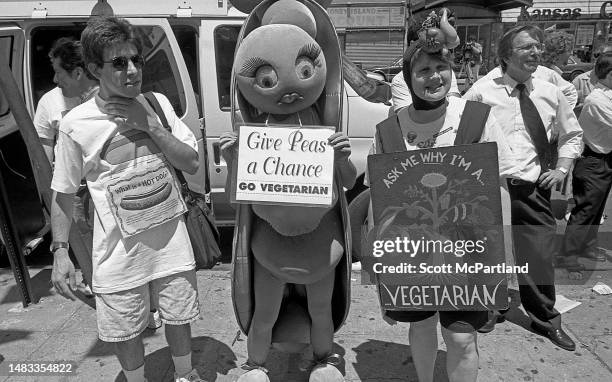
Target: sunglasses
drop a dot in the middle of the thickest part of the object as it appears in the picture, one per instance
(121, 62)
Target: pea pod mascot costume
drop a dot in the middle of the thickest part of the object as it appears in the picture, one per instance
(291, 266)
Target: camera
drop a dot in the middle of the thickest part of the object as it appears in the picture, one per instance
(467, 51)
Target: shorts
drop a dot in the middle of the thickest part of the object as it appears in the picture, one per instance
(462, 321)
(124, 315)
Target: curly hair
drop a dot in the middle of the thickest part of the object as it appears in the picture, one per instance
(555, 44)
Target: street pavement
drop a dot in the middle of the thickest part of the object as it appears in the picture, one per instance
(58, 329)
(373, 351)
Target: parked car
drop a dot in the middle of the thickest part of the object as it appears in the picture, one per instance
(574, 68)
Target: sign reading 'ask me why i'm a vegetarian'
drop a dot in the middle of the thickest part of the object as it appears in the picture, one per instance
(284, 165)
(437, 241)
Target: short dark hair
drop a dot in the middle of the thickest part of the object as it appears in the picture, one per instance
(103, 32)
(504, 50)
(603, 65)
(70, 54)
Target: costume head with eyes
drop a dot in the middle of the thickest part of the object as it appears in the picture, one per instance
(280, 69)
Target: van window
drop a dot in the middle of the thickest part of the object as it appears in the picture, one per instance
(226, 37)
(160, 73)
(6, 55)
(187, 38)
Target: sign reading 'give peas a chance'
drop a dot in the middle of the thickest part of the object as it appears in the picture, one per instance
(284, 165)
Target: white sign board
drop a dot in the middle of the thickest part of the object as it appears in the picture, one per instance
(284, 165)
(584, 35)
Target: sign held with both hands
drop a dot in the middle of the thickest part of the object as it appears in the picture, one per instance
(284, 165)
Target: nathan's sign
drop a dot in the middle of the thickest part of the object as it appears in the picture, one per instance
(437, 241)
(547, 14)
(284, 165)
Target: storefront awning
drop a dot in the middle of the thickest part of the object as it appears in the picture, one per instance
(502, 5)
(495, 5)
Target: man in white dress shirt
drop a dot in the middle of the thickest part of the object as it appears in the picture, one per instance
(533, 113)
(545, 74)
(593, 170)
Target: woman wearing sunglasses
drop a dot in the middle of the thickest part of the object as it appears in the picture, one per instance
(431, 121)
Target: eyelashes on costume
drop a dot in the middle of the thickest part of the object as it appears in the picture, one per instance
(312, 51)
(249, 68)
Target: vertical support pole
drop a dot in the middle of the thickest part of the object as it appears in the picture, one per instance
(14, 249)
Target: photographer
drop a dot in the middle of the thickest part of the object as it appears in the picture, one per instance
(472, 56)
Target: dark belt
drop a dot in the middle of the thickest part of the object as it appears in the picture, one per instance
(519, 182)
(590, 153)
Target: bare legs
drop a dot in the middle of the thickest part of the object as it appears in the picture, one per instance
(462, 351)
(461, 356)
(424, 347)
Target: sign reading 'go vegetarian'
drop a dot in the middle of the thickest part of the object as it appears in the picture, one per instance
(282, 165)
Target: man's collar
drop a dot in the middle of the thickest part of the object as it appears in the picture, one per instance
(510, 83)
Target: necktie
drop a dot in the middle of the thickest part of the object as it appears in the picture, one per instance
(535, 128)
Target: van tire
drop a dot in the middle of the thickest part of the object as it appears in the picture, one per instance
(358, 212)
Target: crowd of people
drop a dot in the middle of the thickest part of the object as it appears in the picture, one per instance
(98, 107)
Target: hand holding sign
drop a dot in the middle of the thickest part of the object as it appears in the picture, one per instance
(341, 145)
(284, 165)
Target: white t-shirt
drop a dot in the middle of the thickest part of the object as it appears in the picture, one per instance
(139, 232)
(50, 110)
(400, 94)
(442, 133)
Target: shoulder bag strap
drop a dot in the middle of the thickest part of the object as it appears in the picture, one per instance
(390, 135)
(152, 100)
(473, 121)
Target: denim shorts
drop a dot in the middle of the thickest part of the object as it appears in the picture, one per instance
(124, 315)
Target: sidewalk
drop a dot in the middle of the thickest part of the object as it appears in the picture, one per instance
(58, 329)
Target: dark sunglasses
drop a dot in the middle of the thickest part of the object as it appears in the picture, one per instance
(121, 62)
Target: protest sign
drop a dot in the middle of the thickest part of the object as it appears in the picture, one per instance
(284, 165)
(437, 242)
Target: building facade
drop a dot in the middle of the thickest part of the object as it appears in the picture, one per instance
(590, 22)
(371, 32)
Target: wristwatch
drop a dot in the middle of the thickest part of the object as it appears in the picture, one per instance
(563, 170)
(57, 245)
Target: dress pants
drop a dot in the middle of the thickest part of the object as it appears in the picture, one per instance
(592, 178)
(533, 235)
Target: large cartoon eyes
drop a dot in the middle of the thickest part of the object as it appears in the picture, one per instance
(304, 67)
(266, 77)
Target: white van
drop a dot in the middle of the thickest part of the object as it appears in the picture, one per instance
(189, 51)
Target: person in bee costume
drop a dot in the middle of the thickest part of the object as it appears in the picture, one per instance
(291, 264)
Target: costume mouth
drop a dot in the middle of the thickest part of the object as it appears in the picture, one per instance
(290, 98)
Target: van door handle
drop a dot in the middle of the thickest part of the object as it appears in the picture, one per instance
(217, 153)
